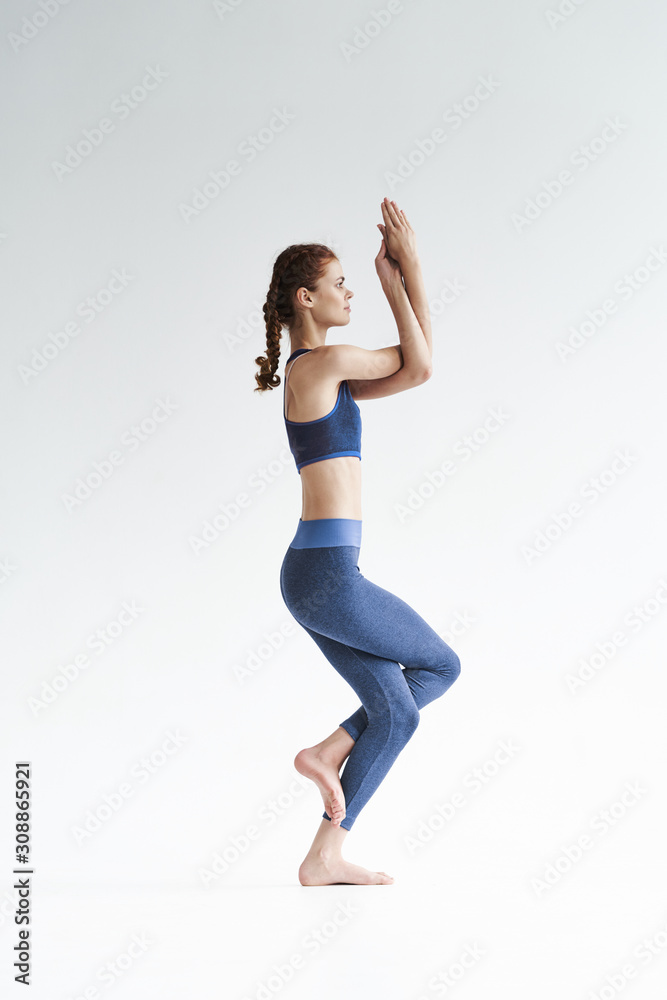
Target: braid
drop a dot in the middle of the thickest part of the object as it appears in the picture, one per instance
(299, 265)
(266, 377)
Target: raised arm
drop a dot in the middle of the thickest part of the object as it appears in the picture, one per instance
(396, 263)
(389, 370)
(416, 292)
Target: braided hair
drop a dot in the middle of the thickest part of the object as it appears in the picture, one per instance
(300, 265)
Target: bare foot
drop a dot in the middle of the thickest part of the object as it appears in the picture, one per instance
(323, 771)
(332, 871)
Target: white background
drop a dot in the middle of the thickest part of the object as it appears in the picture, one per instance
(210, 654)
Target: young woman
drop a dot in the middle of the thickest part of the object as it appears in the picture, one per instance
(365, 632)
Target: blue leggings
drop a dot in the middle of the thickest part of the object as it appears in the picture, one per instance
(366, 633)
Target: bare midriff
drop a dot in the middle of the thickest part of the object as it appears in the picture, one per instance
(331, 488)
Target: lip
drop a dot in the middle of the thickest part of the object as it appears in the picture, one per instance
(348, 308)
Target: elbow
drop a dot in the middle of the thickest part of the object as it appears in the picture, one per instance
(420, 376)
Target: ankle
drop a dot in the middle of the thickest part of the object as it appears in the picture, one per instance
(328, 752)
(325, 855)
(338, 744)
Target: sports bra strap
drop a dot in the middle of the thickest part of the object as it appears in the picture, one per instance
(290, 361)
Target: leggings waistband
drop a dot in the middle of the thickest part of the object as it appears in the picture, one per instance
(327, 531)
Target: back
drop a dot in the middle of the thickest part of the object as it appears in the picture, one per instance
(335, 434)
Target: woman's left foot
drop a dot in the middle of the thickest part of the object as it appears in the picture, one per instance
(324, 773)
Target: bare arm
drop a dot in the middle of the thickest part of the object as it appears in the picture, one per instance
(387, 386)
(412, 344)
(415, 348)
(416, 292)
(389, 370)
(398, 262)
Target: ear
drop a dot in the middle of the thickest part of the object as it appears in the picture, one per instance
(302, 296)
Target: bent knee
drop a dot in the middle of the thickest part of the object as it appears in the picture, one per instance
(406, 719)
(451, 668)
(397, 719)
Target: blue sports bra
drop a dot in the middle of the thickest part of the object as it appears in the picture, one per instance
(337, 433)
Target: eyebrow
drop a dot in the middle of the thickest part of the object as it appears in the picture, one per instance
(342, 278)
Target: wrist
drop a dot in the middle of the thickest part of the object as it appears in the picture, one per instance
(394, 288)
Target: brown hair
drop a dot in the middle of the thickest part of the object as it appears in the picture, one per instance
(301, 265)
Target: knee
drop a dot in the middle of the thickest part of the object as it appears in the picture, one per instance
(450, 667)
(406, 719)
(448, 670)
(453, 665)
(396, 717)
(397, 720)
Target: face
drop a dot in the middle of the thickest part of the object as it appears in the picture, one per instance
(330, 304)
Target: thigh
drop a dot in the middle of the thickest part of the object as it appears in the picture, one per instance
(378, 682)
(325, 591)
(383, 623)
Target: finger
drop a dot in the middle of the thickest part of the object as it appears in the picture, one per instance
(392, 214)
(398, 212)
(404, 219)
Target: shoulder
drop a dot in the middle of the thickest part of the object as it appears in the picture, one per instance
(327, 362)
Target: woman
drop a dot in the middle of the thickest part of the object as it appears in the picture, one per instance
(364, 631)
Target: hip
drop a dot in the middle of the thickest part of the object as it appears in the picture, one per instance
(321, 561)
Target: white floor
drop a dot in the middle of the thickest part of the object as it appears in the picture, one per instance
(455, 921)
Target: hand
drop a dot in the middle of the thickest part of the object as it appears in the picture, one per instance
(399, 236)
(388, 269)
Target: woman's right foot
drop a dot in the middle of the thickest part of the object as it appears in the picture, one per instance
(332, 871)
(324, 773)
